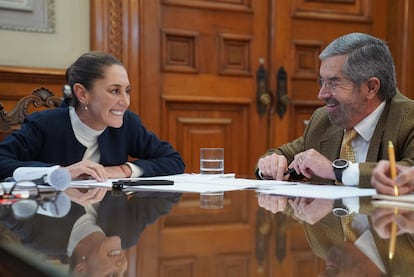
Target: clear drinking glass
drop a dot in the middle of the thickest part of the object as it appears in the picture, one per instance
(212, 162)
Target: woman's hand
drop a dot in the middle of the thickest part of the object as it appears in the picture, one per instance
(85, 197)
(86, 169)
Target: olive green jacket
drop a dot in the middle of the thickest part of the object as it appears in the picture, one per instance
(396, 124)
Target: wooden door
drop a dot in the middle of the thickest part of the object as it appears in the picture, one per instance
(192, 67)
(207, 54)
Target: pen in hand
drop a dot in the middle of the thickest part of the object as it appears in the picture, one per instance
(393, 235)
(289, 171)
(293, 174)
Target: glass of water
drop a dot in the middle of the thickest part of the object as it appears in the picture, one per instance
(211, 160)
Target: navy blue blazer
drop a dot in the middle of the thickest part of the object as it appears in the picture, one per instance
(46, 138)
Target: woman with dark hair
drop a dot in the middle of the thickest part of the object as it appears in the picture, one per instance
(93, 135)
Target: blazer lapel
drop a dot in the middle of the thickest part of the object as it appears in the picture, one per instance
(375, 145)
(330, 143)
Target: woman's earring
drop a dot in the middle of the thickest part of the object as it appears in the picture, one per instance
(86, 107)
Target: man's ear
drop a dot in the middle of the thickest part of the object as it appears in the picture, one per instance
(373, 85)
(80, 91)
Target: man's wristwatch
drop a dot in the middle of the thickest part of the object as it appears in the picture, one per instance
(339, 165)
(339, 209)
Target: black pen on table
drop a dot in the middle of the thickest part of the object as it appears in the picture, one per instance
(287, 172)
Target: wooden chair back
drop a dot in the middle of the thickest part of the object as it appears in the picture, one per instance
(40, 98)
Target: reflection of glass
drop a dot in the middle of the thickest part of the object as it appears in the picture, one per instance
(212, 200)
(21, 197)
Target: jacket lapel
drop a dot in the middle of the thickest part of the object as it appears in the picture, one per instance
(330, 143)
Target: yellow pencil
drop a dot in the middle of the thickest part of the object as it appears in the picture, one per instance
(393, 169)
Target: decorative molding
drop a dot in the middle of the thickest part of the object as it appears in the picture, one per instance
(183, 267)
(179, 51)
(306, 57)
(224, 5)
(28, 16)
(115, 30)
(235, 55)
(338, 10)
(234, 265)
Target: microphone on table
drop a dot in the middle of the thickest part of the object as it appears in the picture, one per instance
(55, 176)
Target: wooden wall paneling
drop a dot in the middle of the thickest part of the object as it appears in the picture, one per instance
(401, 40)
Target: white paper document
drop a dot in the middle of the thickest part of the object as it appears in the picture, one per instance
(320, 191)
(197, 183)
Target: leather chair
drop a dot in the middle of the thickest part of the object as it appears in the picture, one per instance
(40, 98)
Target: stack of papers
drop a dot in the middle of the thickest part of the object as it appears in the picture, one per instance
(389, 201)
(197, 183)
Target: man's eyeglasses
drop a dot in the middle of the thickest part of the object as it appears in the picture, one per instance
(332, 83)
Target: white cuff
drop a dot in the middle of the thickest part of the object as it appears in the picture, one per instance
(350, 176)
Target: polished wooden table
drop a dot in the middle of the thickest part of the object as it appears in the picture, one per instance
(150, 233)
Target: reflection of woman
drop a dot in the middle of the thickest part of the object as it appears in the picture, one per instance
(98, 238)
(96, 135)
(93, 239)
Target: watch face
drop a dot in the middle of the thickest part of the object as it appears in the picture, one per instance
(340, 211)
(340, 163)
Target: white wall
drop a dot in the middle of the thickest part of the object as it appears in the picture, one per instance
(52, 50)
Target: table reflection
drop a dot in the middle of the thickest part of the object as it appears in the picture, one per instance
(91, 239)
(365, 252)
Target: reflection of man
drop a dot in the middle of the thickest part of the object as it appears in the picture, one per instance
(93, 234)
(347, 260)
(367, 254)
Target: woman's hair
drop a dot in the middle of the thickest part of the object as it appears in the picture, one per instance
(366, 57)
(87, 69)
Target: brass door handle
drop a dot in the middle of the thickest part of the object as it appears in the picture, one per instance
(263, 96)
(283, 99)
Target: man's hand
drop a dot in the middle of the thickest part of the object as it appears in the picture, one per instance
(383, 183)
(272, 203)
(272, 166)
(311, 162)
